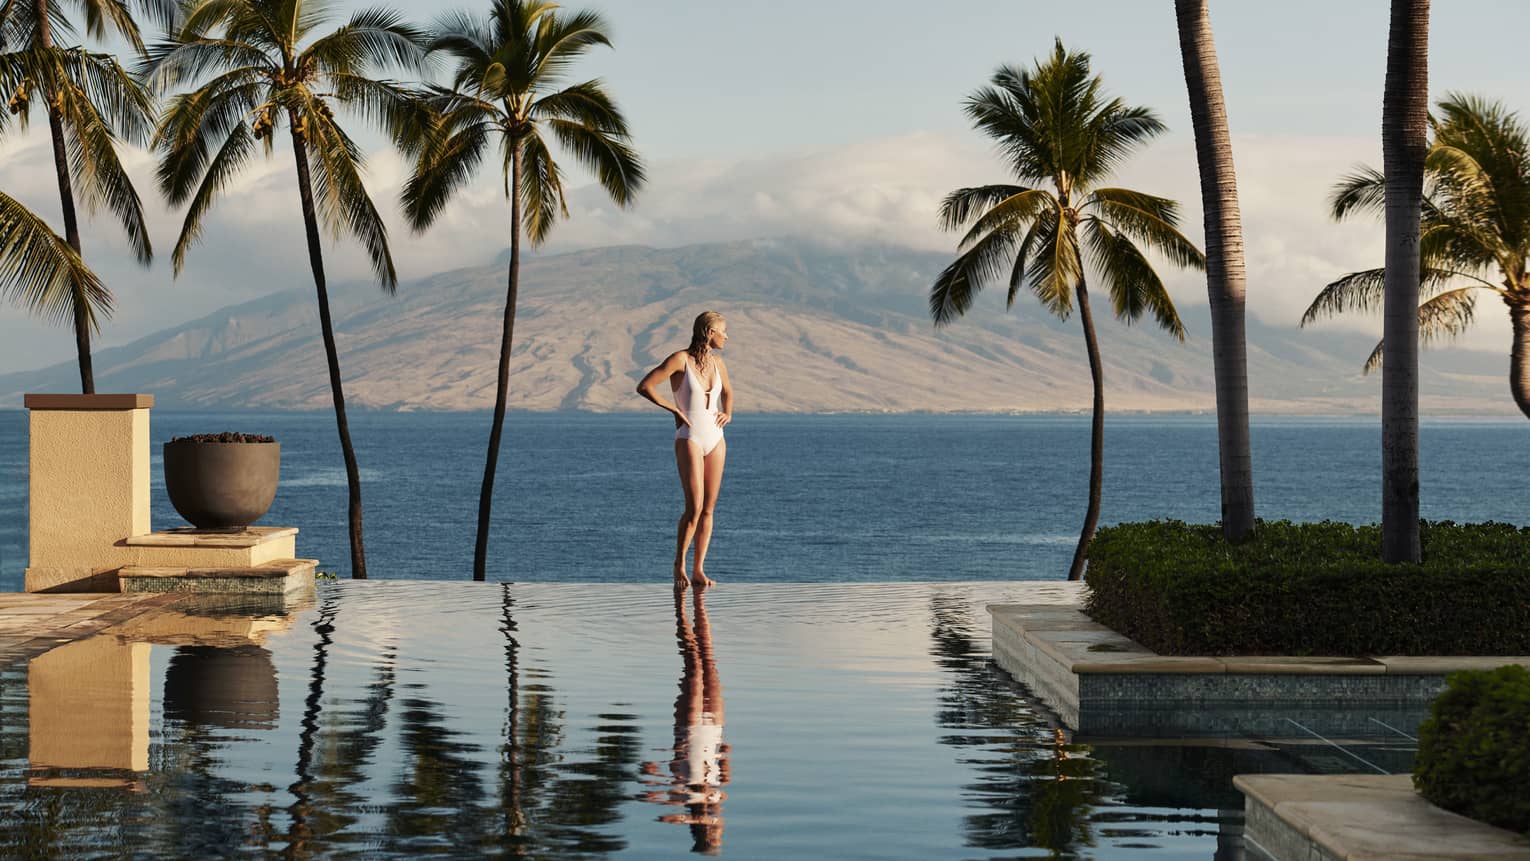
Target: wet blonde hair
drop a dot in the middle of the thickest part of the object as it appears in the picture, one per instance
(701, 334)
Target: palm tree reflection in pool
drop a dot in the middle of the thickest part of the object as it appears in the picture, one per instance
(1038, 789)
(699, 769)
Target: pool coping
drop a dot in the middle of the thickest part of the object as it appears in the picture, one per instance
(1100, 681)
(1363, 817)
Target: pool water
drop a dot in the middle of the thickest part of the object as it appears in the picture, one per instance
(399, 719)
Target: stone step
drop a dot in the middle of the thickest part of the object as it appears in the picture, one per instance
(275, 577)
(251, 536)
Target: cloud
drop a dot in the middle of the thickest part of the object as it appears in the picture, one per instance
(885, 191)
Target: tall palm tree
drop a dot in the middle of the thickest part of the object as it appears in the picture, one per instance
(1404, 139)
(251, 64)
(509, 87)
(91, 102)
(1475, 226)
(1225, 281)
(1055, 127)
(41, 273)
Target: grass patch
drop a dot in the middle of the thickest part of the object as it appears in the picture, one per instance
(1312, 589)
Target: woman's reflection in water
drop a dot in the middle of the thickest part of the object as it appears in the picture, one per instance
(699, 769)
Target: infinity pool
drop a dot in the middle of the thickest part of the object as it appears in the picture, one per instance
(396, 719)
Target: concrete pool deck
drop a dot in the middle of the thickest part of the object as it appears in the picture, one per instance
(1099, 682)
(33, 623)
(1363, 817)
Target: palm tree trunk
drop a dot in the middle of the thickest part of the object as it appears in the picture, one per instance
(66, 201)
(486, 492)
(1225, 281)
(1096, 435)
(1519, 357)
(1404, 139)
(326, 326)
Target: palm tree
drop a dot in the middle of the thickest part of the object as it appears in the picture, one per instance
(1476, 221)
(91, 103)
(1224, 263)
(253, 64)
(509, 87)
(41, 273)
(1404, 139)
(1055, 126)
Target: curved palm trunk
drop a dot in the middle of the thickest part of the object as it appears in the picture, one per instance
(1404, 140)
(326, 326)
(1519, 357)
(1225, 281)
(66, 202)
(486, 492)
(1096, 435)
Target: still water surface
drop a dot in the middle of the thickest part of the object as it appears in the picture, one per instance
(857, 498)
(398, 719)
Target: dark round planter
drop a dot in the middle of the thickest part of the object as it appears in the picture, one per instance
(221, 485)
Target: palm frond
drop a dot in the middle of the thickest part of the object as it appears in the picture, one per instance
(542, 196)
(372, 39)
(1441, 318)
(1148, 219)
(1364, 291)
(964, 204)
(104, 17)
(561, 40)
(41, 273)
(100, 176)
(1363, 189)
(440, 171)
(225, 165)
(1134, 287)
(615, 164)
(585, 103)
(958, 284)
(1057, 267)
(344, 204)
(1019, 210)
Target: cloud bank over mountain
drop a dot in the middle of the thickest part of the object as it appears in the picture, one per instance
(884, 191)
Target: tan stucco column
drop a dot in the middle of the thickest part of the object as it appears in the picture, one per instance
(89, 488)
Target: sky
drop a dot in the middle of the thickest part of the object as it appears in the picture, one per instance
(842, 120)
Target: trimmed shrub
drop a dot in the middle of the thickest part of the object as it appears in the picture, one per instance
(1312, 589)
(1474, 750)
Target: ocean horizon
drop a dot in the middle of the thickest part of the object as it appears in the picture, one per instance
(593, 497)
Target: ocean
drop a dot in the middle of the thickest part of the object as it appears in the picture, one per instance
(841, 498)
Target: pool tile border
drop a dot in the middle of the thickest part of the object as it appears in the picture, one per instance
(1099, 681)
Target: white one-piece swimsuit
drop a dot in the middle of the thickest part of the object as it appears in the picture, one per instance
(699, 406)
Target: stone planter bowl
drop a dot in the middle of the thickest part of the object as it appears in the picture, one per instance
(221, 485)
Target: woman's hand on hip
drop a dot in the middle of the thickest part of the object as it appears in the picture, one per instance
(680, 419)
(723, 419)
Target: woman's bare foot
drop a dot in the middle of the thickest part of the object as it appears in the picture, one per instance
(701, 581)
(680, 581)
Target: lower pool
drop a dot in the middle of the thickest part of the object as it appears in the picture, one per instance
(397, 719)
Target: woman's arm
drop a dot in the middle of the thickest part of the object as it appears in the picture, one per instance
(725, 402)
(648, 387)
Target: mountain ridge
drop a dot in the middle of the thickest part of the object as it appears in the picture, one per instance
(816, 328)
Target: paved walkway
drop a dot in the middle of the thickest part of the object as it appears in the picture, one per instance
(33, 623)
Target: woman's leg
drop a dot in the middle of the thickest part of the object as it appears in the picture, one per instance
(688, 459)
(712, 482)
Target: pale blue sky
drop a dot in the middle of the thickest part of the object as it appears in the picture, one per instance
(842, 118)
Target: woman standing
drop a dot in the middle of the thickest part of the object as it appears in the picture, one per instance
(703, 406)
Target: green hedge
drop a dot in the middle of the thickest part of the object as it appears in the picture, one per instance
(1474, 751)
(1312, 589)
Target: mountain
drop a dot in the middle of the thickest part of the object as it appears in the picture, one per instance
(814, 328)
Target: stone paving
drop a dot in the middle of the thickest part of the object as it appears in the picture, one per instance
(32, 623)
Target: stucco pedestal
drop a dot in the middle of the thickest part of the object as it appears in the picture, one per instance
(89, 525)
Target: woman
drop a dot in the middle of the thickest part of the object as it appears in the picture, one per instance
(703, 406)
